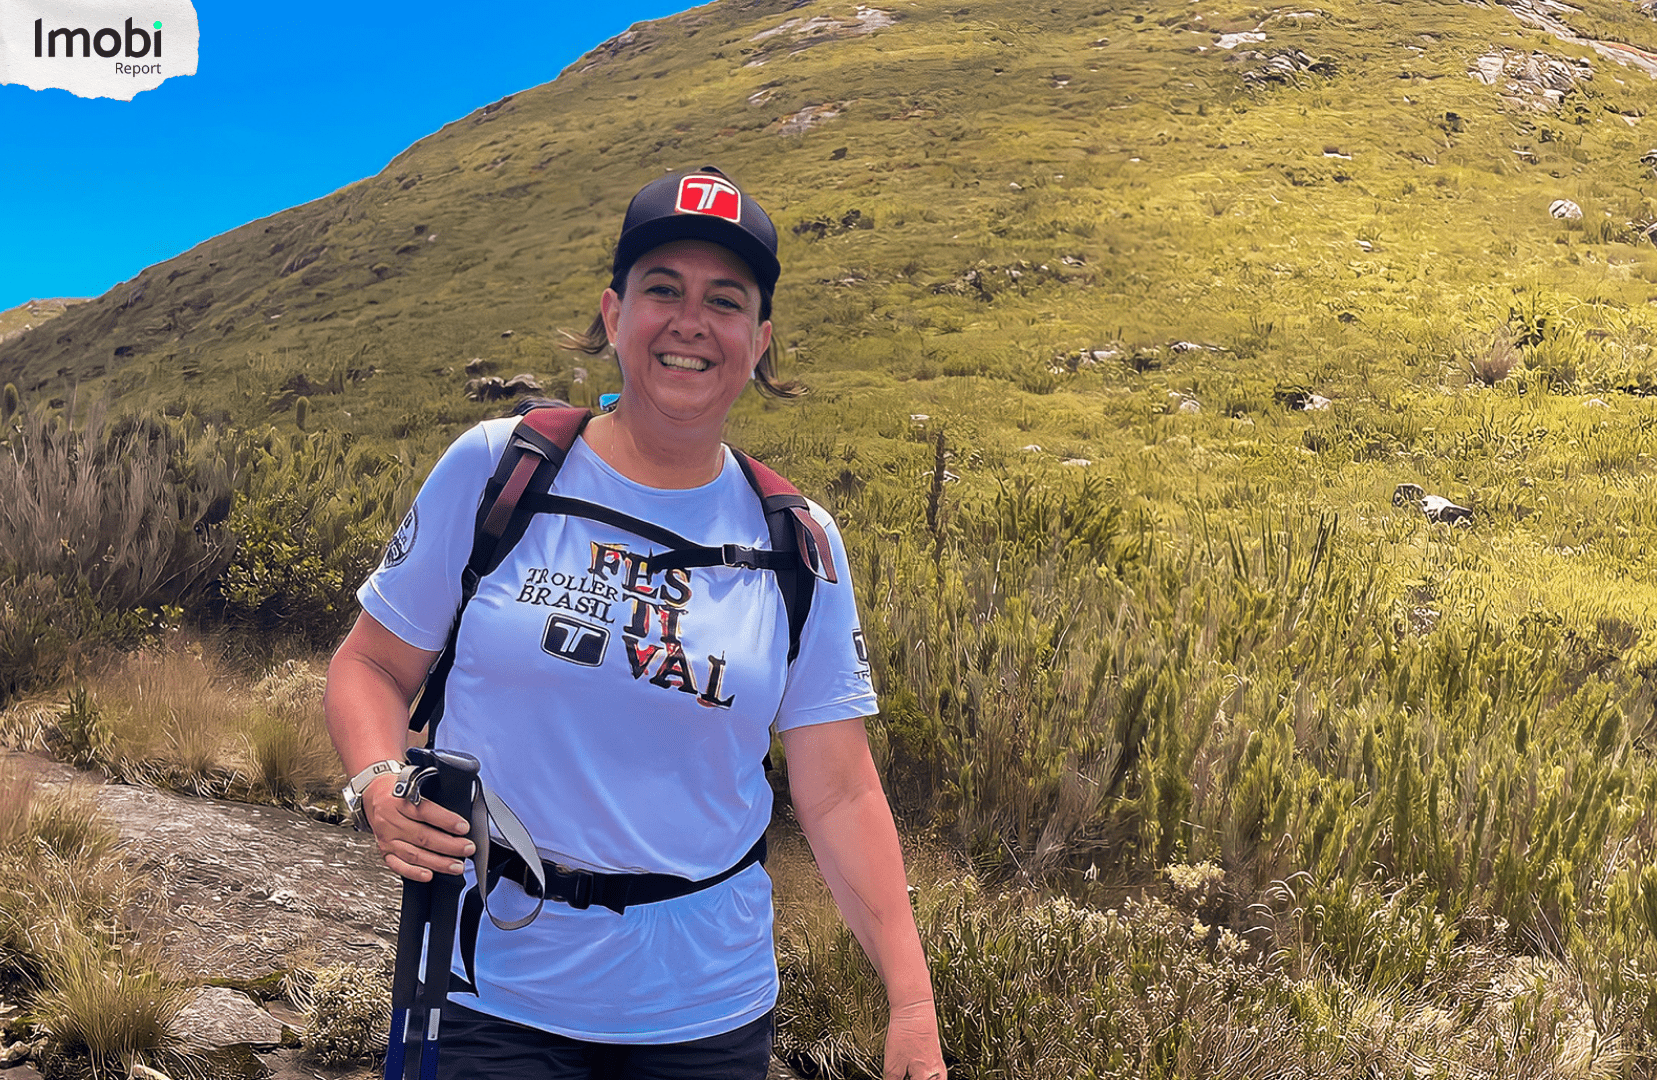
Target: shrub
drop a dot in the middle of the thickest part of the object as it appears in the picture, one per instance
(37, 633)
(347, 1011)
(112, 510)
(311, 522)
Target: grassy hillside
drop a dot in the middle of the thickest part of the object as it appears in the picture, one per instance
(979, 195)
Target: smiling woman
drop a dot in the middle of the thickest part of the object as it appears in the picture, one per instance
(638, 764)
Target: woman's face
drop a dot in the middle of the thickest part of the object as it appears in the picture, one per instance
(686, 331)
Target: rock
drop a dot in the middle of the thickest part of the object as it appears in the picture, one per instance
(1437, 508)
(1596, 403)
(477, 365)
(1015, 186)
(15, 1054)
(222, 860)
(220, 1016)
(1031, 449)
(1190, 405)
(486, 389)
(918, 418)
(1315, 403)
(1187, 346)
(1565, 210)
(1442, 510)
(144, 1072)
(23, 1072)
(1076, 461)
(524, 383)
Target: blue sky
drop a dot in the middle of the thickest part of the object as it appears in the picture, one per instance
(290, 102)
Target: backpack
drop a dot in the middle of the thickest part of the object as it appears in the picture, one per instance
(521, 488)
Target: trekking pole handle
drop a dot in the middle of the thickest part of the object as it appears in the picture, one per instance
(454, 771)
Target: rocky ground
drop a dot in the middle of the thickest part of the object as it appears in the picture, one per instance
(251, 892)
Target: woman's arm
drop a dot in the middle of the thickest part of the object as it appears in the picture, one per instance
(839, 802)
(371, 682)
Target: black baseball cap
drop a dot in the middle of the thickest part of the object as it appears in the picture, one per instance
(700, 205)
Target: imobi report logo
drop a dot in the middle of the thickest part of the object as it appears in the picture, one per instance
(96, 48)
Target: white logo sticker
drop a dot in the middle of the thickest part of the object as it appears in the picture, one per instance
(96, 48)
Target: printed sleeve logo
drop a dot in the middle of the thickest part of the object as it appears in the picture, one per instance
(575, 641)
(709, 195)
(403, 542)
(862, 647)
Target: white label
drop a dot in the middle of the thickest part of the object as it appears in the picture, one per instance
(96, 48)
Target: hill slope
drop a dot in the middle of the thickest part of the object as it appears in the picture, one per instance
(1004, 218)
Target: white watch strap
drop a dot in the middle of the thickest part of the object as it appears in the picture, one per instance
(361, 781)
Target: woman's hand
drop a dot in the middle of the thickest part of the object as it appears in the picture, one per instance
(416, 840)
(912, 1050)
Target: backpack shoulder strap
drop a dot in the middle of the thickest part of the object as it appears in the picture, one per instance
(534, 453)
(796, 535)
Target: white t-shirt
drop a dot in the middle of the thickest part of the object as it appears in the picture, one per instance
(625, 719)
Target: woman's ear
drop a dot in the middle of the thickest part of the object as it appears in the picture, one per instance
(764, 343)
(609, 307)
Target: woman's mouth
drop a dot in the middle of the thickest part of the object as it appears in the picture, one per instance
(683, 363)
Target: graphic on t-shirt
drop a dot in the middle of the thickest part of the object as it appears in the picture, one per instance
(575, 641)
(403, 541)
(618, 585)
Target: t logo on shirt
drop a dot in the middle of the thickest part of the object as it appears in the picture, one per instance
(575, 641)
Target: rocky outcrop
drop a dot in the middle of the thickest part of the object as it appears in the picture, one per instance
(252, 892)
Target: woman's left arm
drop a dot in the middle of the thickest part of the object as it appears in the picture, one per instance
(840, 805)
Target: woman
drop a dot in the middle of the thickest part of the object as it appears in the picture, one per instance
(649, 759)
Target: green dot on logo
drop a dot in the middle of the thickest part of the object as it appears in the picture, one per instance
(158, 25)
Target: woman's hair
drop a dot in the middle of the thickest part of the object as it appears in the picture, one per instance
(596, 339)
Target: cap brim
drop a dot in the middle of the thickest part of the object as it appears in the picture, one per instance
(653, 234)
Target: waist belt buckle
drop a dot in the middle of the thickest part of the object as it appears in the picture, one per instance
(581, 896)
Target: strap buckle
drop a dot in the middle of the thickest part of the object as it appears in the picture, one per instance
(583, 897)
(737, 555)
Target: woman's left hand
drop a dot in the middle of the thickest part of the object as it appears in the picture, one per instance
(912, 1049)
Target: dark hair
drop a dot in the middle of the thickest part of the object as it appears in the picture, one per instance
(596, 339)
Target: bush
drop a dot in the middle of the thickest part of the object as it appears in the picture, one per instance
(119, 512)
(347, 1012)
(311, 522)
(37, 633)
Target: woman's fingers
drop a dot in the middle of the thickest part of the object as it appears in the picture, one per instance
(416, 840)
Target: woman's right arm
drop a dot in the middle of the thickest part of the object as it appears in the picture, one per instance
(372, 680)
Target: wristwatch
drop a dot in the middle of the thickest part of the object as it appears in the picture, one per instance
(358, 784)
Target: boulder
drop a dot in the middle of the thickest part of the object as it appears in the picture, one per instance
(490, 388)
(220, 1016)
(524, 383)
(1565, 210)
(477, 365)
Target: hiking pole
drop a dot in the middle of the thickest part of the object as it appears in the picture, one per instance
(427, 923)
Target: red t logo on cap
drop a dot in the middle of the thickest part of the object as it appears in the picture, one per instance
(709, 195)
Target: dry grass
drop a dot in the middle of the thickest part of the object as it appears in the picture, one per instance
(169, 711)
(1496, 361)
(108, 1005)
(65, 905)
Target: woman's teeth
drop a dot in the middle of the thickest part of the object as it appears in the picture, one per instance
(686, 363)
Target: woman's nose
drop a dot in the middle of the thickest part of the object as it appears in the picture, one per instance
(688, 322)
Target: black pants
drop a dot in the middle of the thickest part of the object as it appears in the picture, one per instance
(474, 1046)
